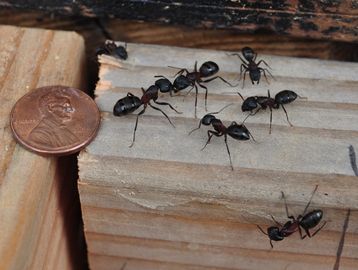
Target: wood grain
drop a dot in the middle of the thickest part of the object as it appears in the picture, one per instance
(37, 198)
(166, 201)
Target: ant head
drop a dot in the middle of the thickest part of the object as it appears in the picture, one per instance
(207, 119)
(274, 233)
(255, 75)
(164, 85)
(249, 104)
(248, 53)
(181, 82)
(285, 96)
(121, 52)
(208, 69)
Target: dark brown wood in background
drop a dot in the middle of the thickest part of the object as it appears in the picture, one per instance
(329, 19)
(95, 31)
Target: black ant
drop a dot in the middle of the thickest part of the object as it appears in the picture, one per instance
(234, 130)
(264, 102)
(305, 221)
(110, 48)
(195, 79)
(130, 103)
(251, 66)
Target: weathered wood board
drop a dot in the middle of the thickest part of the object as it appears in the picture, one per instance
(39, 210)
(164, 203)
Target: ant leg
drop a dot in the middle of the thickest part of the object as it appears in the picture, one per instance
(286, 115)
(143, 91)
(195, 128)
(228, 151)
(286, 207)
(255, 56)
(170, 106)
(352, 158)
(300, 231)
(319, 229)
(210, 135)
(243, 81)
(218, 77)
(196, 66)
(206, 95)
(130, 95)
(196, 99)
(265, 69)
(263, 61)
(180, 72)
(309, 202)
(242, 68)
(270, 119)
(238, 55)
(136, 124)
(160, 76)
(155, 108)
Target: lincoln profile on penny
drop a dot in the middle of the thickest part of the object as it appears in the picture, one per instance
(56, 112)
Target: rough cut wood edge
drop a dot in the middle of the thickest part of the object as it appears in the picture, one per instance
(35, 216)
(317, 19)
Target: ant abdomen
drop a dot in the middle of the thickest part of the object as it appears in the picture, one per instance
(238, 132)
(126, 105)
(208, 119)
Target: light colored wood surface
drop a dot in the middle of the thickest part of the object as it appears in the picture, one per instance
(165, 200)
(35, 217)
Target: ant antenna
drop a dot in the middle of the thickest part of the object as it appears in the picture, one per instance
(261, 230)
(309, 202)
(223, 108)
(241, 96)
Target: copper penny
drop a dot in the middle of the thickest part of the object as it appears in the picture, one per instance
(55, 120)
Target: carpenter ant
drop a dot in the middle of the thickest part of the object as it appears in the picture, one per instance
(264, 102)
(305, 221)
(251, 66)
(234, 130)
(130, 103)
(195, 79)
(110, 48)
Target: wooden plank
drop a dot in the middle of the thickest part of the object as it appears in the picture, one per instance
(35, 195)
(211, 256)
(323, 19)
(165, 192)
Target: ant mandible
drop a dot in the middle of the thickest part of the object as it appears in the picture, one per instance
(130, 103)
(305, 221)
(264, 102)
(195, 79)
(110, 48)
(251, 66)
(234, 130)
